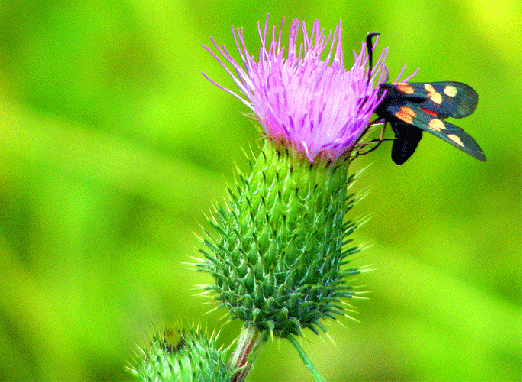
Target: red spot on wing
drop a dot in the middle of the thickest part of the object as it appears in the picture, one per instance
(430, 112)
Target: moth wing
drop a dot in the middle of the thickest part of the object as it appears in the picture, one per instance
(427, 120)
(445, 98)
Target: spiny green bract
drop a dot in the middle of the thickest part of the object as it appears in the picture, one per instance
(184, 356)
(281, 243)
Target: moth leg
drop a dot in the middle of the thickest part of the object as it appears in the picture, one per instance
(377, 142)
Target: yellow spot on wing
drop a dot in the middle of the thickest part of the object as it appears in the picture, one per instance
(429, 88)
(456, 139)
(436, 125)
(405, 114)
(403, 87)
(437, 98)
(450, 91)
(433, 95)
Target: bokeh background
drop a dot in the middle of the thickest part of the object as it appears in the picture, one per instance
(113, 147)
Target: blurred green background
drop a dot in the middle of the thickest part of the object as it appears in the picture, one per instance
(113, 147)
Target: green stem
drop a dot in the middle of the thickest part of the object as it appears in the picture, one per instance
(308, 363)
(246, 349)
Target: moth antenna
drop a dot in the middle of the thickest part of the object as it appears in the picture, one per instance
(369, 48)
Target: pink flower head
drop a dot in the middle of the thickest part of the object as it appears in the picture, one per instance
(309, 102)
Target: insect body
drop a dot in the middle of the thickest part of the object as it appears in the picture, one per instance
(411, 108)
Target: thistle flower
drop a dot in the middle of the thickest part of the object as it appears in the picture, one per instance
(280, 244)
(309, 103)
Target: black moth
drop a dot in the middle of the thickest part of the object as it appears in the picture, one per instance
(411, 107)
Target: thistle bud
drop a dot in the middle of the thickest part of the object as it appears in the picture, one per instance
(280, 243)
(184, 356)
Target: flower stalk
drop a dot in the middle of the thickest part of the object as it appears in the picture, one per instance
(245, 353)
(306, 361)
